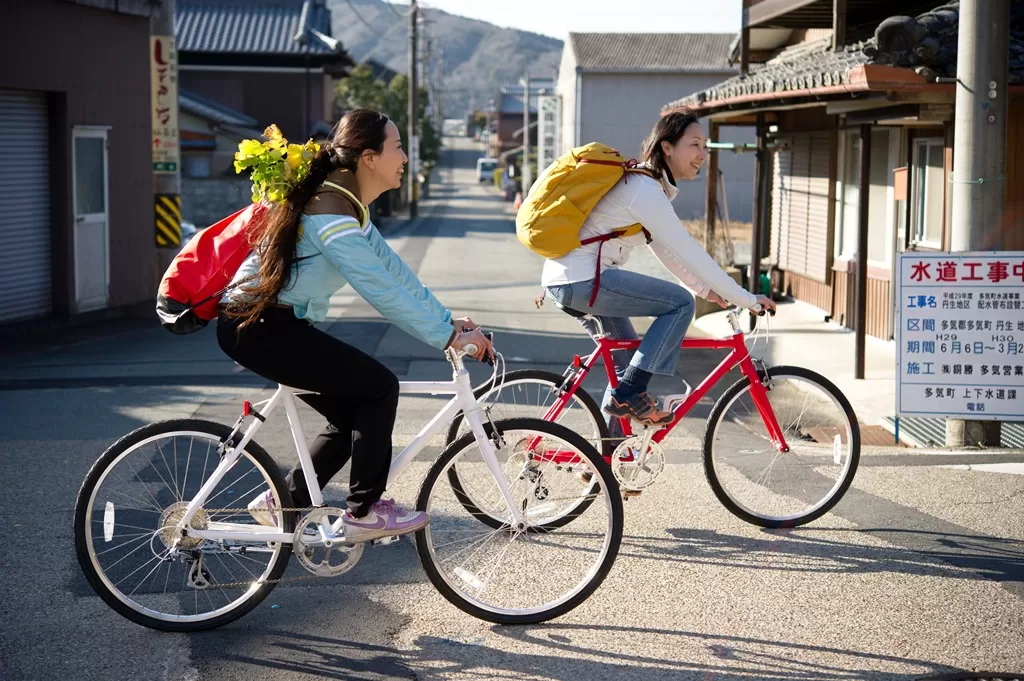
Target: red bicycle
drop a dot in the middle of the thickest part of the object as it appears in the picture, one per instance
(781, 447)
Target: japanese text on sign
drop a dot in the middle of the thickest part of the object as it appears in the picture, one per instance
(960, 335)
(164, 103)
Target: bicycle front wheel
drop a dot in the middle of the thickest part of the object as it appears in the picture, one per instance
(528, 573)
(125, 527)
(757, 481)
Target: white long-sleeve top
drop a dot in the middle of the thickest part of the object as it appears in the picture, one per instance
(639, 198)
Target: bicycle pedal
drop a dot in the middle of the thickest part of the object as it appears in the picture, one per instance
(384, 541)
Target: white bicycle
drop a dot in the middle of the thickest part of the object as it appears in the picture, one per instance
(167, 541)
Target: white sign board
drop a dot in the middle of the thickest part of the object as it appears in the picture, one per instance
(960, 335)
(548, 125)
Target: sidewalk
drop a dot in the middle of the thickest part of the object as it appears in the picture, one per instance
(799, 335)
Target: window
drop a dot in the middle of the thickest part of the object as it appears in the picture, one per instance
(880, 198)
(928, 199)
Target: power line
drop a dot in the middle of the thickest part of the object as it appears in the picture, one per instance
(360, 17)
(401, 15)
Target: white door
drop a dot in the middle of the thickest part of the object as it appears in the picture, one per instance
(92, 271)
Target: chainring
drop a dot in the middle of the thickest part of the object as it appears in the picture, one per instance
(636, 471)
(324, 558)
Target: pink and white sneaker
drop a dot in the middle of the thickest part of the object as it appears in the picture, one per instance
(385, 519)
(264, 509)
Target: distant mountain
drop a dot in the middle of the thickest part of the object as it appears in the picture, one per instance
(478, 57)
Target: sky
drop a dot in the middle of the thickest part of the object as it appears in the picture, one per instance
(556, 18)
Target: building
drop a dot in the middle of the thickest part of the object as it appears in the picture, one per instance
(829, 85)
(506, 140)
(210, 133)
(613, 85)
(272, 60)
(76, 230)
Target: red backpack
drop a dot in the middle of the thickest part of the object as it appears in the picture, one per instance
(201, 273)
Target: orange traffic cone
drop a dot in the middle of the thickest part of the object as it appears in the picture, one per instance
(518, 201)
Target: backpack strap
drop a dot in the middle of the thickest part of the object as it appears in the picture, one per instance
(600, 241)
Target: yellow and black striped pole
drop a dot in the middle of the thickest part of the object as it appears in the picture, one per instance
(167, 209)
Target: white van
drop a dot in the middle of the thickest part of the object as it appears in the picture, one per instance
(485, 169)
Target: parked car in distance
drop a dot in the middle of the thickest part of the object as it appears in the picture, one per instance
(485, 169)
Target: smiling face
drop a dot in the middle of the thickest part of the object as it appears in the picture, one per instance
(687, 155)
(387, 166)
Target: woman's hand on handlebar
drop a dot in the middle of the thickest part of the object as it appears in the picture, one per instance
(763, 304)
(474, 340)
(464, 324)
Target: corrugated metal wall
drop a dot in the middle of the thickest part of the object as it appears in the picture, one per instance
(25, 235)
(801, 204)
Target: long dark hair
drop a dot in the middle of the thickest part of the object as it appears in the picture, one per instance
(275, 237)
(669, 128)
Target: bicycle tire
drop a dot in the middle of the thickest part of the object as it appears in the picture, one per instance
(836, 493)
(84, 511)
(552, 381)
(603, 480)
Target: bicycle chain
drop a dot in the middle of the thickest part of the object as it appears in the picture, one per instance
(279, 580)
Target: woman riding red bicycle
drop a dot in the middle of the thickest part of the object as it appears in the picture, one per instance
(675, 149)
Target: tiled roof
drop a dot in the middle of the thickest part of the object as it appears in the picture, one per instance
(214, 111)
(652, 52)
(250, 26)
(927, 45)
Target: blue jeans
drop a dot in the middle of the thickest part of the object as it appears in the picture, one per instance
(624, 294)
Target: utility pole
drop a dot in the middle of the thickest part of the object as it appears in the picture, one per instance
(526, 174)
(414, 147)
(163, 58)
(979, 154)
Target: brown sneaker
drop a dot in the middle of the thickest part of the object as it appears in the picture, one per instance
(641, 407)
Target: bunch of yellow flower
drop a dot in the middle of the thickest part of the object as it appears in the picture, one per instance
(274, 165)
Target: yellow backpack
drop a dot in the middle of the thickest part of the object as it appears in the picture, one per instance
(550, 218)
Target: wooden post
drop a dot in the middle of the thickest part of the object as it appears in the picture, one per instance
(864, 193)
(711, 194)
(838, 25)
(761, 208)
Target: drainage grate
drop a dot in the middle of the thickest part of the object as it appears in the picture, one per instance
(920, 431)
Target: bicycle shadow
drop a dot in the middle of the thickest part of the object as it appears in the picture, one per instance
(818, 550)
(569, 652)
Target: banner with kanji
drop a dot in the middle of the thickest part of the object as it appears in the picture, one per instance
(163, 62)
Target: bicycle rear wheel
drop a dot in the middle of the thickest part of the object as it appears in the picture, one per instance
(765, 486)
(133, 496)
(530, 393)
(519, 574)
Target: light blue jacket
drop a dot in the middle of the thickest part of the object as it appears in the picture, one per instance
(347, 252)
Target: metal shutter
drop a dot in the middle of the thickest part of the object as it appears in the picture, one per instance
(800, 205)
(25, 270)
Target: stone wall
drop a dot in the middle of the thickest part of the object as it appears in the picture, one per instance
(204, 202)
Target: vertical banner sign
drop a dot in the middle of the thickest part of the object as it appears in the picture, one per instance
(164, 103)
(548, 125)
(960, 335)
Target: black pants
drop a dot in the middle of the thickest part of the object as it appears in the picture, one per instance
(357, 394)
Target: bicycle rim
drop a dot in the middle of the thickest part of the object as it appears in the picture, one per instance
(125, 529)
(766, 486)
(533, 397)
(536, 572)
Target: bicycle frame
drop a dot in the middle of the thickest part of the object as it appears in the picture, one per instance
(738, 355)
(463, 400)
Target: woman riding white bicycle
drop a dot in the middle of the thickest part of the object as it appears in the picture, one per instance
(308, 248)
(675, 149)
